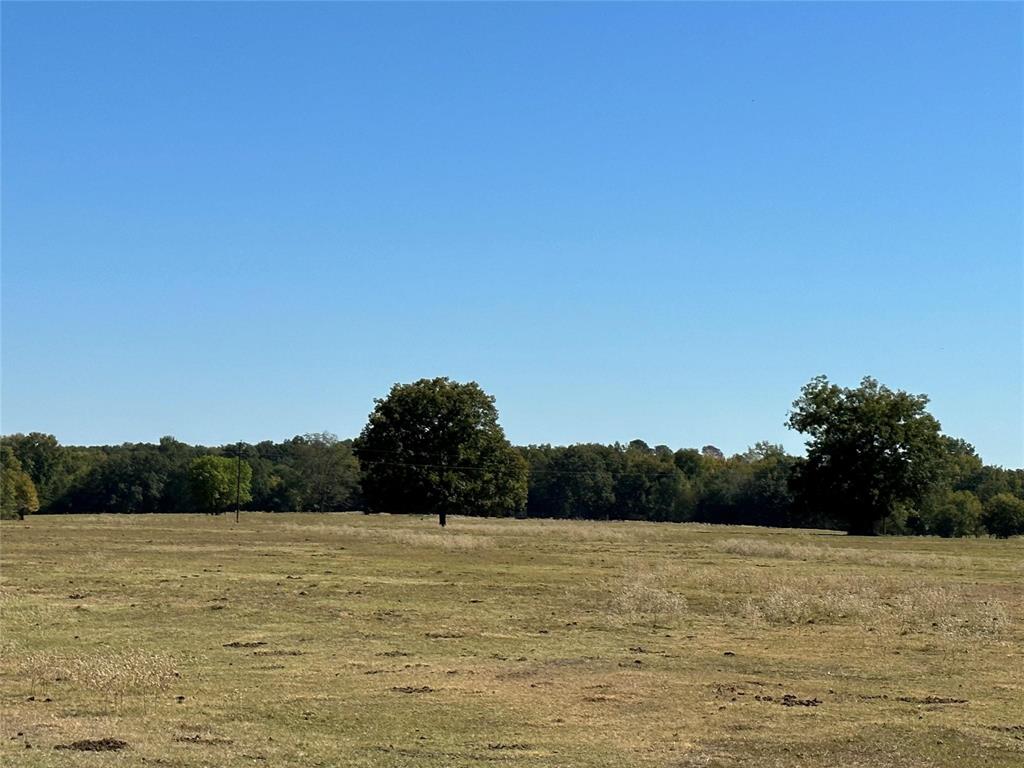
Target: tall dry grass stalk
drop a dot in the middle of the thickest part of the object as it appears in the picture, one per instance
(754, 547)
(117, 675)
(406, 537)
(887, 604)
(645, 597)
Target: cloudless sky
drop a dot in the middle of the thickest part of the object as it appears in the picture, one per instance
(246, 221)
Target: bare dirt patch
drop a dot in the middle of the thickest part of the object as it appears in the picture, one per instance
(95, 745)
(277, 653)
(789, 700)
(930, 700)
(199, 739)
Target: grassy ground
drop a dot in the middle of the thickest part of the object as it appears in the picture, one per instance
(344, 640)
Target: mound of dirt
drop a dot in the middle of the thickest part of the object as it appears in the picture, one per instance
(95, 745)
(277, 653)
(199, 739)
(930, 700)
(790, 700)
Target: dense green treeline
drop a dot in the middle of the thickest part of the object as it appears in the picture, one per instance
(593, 482)
(314, 472)
(637, 482)
(876, 462)
(761, 486)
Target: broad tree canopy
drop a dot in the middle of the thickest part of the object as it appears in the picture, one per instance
(436, 446)
(870, 450)
(217, 482)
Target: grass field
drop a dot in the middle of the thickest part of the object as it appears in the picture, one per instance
(349, 640)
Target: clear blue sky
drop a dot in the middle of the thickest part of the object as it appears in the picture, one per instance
(246, 221)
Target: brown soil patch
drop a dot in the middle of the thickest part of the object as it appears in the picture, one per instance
(930, 700)
(198, 739)
(277, 653)
(95, 745)
(790, 700)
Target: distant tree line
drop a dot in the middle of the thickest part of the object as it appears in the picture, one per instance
(876, 462)
(762, 486)
(313, 472)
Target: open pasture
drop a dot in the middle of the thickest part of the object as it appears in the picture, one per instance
(350, 640)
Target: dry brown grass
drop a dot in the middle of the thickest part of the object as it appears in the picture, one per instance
(563, 530)
(762, 548)
(879, 604)
(539, 644)
(445, 540)
(390, 535)
(24, 614)
(115, 674)
(645, 597)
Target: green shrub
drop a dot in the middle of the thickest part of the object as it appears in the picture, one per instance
(1004, 516)
(956, 513)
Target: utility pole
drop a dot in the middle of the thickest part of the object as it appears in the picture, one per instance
(238, 481)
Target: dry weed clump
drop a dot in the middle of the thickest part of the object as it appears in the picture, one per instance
(754, 547)
(19, 612)
(115, 675)
(949, 611)
(583, 530)
(718, 581)
(560, 530)
(788, 604)
(460, 542)
(644, 597)
(447, 540)
(893, 605)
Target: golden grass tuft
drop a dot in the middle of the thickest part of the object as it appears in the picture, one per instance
(644, 597)
(886, 604)
(760, 548)
(404, 536)
(115, 675)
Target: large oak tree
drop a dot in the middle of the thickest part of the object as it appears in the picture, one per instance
(871, 450)
(436, 446)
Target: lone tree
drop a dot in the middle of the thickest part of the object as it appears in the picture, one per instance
(871, 450)
(216, 482)
(436, 446)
